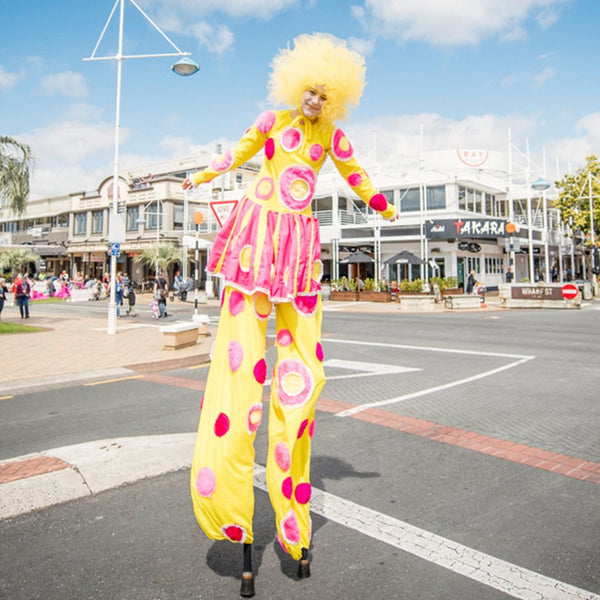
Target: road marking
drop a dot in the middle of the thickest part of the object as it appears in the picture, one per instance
(519, 359)
(6, 397)
(368, 369)
(206, 364)
(484, 568)
(113, 380)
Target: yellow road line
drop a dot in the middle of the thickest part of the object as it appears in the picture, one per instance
(198, 366)
(113, 380)
(6, 397)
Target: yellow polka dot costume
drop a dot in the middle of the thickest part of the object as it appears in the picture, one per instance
(268, 253)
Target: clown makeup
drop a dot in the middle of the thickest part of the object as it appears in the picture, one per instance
(313, 101)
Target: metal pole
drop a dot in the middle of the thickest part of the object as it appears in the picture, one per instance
(529, 219)
(112, 304)
(196, 277)
(593, 237)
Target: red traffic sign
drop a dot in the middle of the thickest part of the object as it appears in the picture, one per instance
(569, 291)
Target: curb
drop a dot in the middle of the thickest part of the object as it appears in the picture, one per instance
(81, 470)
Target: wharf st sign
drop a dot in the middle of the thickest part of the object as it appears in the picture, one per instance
(448, 229)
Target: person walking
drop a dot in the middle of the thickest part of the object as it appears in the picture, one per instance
(3, 292)
(268, 254)
(470, 282)
(161, 291)
(21, 290)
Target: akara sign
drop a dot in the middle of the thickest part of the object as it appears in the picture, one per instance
(465, 228)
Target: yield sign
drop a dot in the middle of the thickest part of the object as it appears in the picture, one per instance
(222, 209)
(569, 291)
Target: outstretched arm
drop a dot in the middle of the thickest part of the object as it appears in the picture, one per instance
(250, 143)
(342, 154)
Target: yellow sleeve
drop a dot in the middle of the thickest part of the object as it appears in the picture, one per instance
(342, 154)
(250, 143)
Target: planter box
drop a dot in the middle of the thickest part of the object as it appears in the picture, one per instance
(453, 301)
(344, 296)
(375, 296)
(417, 302)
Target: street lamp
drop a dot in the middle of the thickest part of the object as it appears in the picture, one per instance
(541, 185)
(116, 232)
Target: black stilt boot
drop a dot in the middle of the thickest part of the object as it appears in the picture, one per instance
(247, 590)
(304, 565)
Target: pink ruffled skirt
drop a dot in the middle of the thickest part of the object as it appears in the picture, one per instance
(260, 250)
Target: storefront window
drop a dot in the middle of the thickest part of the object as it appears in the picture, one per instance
(178, 216)
(410, 200)
(436, 197)
(153, 216)
(133, 214)
(80, 224)
(98, 221)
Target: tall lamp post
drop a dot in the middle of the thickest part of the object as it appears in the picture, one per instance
(185, 66)
(159, 215)
(541, 185)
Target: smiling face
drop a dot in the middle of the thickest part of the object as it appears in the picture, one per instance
(313, 100)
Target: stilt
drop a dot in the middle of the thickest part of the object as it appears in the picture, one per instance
(304, 565)
(247, 590)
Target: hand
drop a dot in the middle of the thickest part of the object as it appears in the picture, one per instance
(187, 183)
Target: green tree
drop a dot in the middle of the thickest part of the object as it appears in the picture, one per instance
(15, 163)
(574, 196)
(17, 259)
(161, 255)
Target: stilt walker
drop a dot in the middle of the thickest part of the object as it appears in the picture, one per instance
(268, 253)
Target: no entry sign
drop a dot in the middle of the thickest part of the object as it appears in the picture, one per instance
(569, 291)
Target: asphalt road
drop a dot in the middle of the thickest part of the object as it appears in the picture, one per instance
(396, 514)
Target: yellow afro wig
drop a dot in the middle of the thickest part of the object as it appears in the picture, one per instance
(318, 59)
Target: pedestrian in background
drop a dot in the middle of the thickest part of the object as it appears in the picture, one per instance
(3, 292)
(21, 291)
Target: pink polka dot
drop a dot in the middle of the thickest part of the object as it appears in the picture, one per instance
(289, 528)
(264, 188)
(223, 162)
(316, 151)
(319, 352)
(302, 427)
(294, 383)
(341, 146)
(260, 371)
(254, 417)
(282, 456)
(221, 425)
(378, 202)
(282, 544)
(235, 353)
(306, 305)
(355, 179)
(236, 303)
(297, 186)
(284, 337)
(302, 493)
(311, 429)
(290, 139)
(286, 487)
(236, 533)
(265, 121)
(205, 482)
(269, 148)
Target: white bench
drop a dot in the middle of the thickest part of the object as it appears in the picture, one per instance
(462, 301)
(182, 334)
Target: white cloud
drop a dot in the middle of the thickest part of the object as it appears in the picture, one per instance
(7, 80)
(440, 22)
(263, 9)
(544, 75)
(67, 83)
(216, 39)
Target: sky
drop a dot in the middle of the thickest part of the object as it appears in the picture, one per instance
(441, 75)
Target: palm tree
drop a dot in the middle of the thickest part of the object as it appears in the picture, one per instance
(15, 162)
(159, 256)
(17, 259)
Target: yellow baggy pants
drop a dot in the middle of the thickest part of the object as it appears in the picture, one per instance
(223, 463)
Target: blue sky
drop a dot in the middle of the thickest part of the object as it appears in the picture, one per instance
(465, 71)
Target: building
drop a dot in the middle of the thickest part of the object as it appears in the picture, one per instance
(460, 210)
